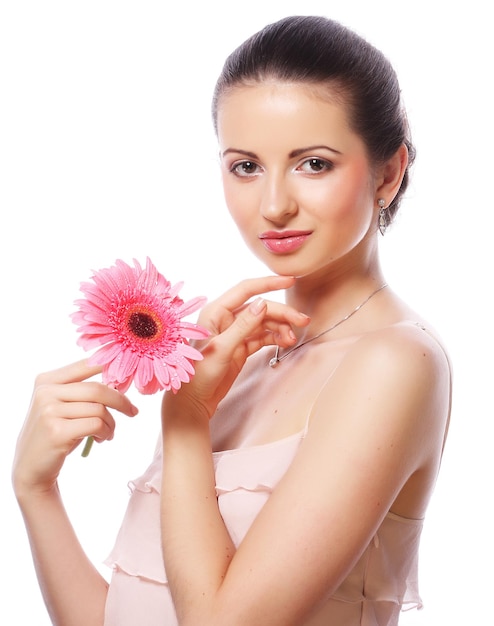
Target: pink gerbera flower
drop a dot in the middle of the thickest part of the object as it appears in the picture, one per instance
(135, 315)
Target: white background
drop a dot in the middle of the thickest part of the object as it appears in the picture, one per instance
(107, 151)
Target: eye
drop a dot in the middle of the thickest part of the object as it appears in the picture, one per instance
(245, 169)
(315, 165)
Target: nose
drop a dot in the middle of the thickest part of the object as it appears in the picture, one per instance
(278, 203)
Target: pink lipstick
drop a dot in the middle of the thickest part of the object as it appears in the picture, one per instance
(284, 242)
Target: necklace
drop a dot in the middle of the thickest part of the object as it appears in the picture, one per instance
(277, 358)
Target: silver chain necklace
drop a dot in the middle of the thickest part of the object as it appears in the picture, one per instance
(277, 358)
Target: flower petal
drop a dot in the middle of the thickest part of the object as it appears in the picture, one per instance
(194, 331)
(134, 317)
(192, 305)
(189, 352)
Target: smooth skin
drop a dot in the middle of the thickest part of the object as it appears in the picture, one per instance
(64, 410)
(66, 407)
(376, 389)
(367, 387)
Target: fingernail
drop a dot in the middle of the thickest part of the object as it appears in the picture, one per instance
(257, 306)
(135, 410)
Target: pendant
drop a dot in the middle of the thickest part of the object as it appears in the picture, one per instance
(273, 362)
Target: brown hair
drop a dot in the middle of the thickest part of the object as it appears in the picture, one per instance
(320, 51)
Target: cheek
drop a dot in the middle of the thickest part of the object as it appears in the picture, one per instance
(240, 200)
(353, 194)
(237, 205)
(339, 204)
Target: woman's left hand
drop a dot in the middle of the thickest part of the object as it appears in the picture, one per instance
(239, 327)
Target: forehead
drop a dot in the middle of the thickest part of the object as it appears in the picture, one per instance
(299, 114)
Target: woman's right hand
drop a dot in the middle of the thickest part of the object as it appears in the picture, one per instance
(65, 408)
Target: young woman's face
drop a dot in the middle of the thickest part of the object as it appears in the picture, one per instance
(297, 179)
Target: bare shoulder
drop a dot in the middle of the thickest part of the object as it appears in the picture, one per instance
(403, 346)
(406, 361)
(384, 412)
(393, 384)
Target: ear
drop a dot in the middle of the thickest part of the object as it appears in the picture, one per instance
(391, 174)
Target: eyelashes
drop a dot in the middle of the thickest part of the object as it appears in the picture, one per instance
(315, 165)
(311, 166)
(245, 169)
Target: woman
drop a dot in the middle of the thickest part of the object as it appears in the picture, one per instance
(295, 469)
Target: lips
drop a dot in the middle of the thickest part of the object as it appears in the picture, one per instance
(284, 242)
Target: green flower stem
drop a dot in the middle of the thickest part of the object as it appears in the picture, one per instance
(87, 446)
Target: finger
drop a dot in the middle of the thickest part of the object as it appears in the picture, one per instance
(83, 410)
(250, 287)
(274, 333)
(279, 320)
(62, 441)
(88, 392)
(247, 324)
(102, 394)
(278, 315)
(74, 372)
(94, 427)
(281, 335)
(279, 312)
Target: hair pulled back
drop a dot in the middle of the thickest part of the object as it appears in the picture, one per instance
(319, 51)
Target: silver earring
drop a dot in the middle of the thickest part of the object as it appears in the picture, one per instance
(383, 222)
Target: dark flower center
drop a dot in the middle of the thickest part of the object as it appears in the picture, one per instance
(142, 325)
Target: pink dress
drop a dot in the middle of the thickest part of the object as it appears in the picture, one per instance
(383, 582)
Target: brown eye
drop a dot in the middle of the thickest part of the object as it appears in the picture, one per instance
(245, 168)
(315, 166)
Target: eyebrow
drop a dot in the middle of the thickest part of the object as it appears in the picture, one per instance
(252, 155)
(293, 153)
(299, 151)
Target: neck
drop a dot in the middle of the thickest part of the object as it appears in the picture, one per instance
(277, 358)
(331, 298)
(354, 273)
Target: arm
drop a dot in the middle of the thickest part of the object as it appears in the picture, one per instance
(73, 590)
(63, 411)
(379, 416)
